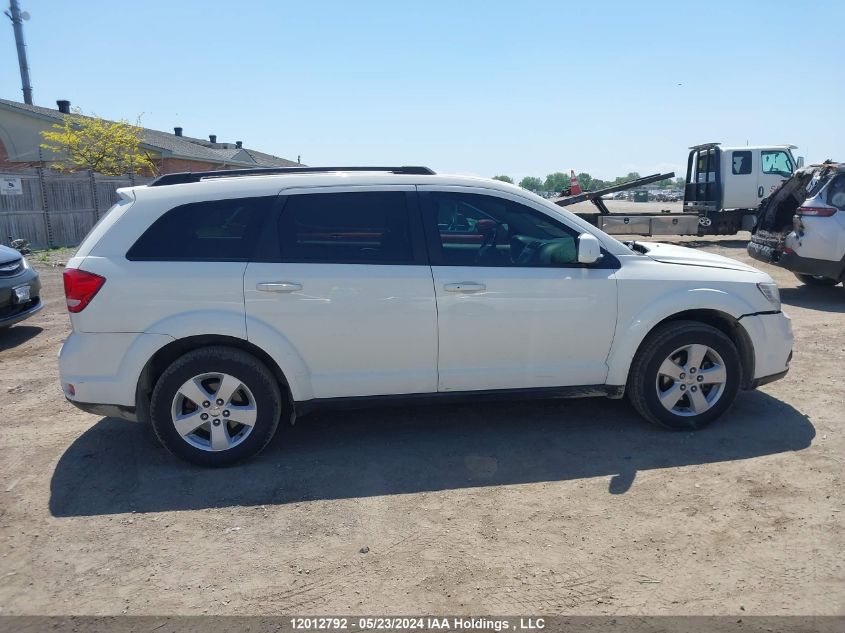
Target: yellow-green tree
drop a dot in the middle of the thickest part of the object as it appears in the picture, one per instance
(111, 148)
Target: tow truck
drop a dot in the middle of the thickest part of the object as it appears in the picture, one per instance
(724, 186)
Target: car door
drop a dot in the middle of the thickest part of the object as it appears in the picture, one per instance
(740, 179)
(775, 166)
(515, 309)
(342, 277)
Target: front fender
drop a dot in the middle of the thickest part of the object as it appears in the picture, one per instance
(633, 326)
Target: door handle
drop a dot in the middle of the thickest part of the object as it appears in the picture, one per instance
(278, 286)
(760, 192)
(465, 286)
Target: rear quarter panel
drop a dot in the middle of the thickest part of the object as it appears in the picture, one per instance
(173, 298)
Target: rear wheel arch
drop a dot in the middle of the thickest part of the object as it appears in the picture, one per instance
(167, 354)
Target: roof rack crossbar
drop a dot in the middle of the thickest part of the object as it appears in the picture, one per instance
(196, 176)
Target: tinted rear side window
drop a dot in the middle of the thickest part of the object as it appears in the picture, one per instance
(836, 192)
(218, 230)
(741, 163)
(368, 227)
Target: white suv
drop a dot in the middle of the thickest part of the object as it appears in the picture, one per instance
(216, 304)
(801, 226)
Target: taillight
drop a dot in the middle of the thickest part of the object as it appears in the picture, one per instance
(80, 288)
(819, 212)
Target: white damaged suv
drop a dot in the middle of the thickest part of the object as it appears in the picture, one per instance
(217, 304)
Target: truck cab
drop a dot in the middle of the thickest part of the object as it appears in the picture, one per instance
(726, 184)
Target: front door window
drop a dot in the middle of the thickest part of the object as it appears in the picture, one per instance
(479, 230)
(776, 162)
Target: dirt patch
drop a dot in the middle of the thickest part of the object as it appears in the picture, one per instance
(537, 507)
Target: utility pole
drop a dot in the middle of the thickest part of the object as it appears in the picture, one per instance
(17, 19)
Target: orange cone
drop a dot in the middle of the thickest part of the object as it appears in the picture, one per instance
(574, 186)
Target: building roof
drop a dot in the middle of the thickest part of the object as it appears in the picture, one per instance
(171, 146)
(268, 160)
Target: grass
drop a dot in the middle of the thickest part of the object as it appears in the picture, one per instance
(52, 255)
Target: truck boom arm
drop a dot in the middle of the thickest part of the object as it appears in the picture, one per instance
(596, 196)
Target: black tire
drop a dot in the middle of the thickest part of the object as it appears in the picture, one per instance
(642, 380)
(815, 280)
(246, 368)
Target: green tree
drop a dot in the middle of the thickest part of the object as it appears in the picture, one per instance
(632, 175)
(588, 183)
(680, 182)
(557, 181)
(504, 178)
(112, 148)
(532, 183)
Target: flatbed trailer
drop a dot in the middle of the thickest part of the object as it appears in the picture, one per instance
(723, 189)
(666, 223)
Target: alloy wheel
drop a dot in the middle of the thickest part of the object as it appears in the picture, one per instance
(691, 380)
(214, 411)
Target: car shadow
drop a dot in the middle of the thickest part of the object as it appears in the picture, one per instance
(821, 298)
(17, 335)
(117, 466)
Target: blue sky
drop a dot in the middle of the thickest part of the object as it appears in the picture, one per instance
(476, 87)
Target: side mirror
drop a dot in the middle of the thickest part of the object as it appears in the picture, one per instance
(589, 249)
(800, 162)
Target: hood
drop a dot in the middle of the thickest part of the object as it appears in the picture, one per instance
(8, 254)
(671, 254)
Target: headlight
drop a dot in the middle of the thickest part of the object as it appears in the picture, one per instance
(771, 292)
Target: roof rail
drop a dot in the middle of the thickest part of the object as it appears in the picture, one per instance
(196, 176)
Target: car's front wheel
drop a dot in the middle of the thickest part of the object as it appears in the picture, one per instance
(215, 406)
(816, 280)
(685, 375)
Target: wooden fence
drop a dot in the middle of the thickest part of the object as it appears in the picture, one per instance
(50, 209)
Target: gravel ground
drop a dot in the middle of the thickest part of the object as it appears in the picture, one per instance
(573, 507)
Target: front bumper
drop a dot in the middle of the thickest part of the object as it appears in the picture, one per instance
(772, 339)
(765, 380)
(11, 311)
(24, 312)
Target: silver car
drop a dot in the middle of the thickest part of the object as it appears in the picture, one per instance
(20, 288)
(801, 226)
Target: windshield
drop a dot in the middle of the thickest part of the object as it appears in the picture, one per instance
(776, 162)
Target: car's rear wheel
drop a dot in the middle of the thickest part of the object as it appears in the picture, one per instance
(816, 280)
(685, 375)
(215, 406)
